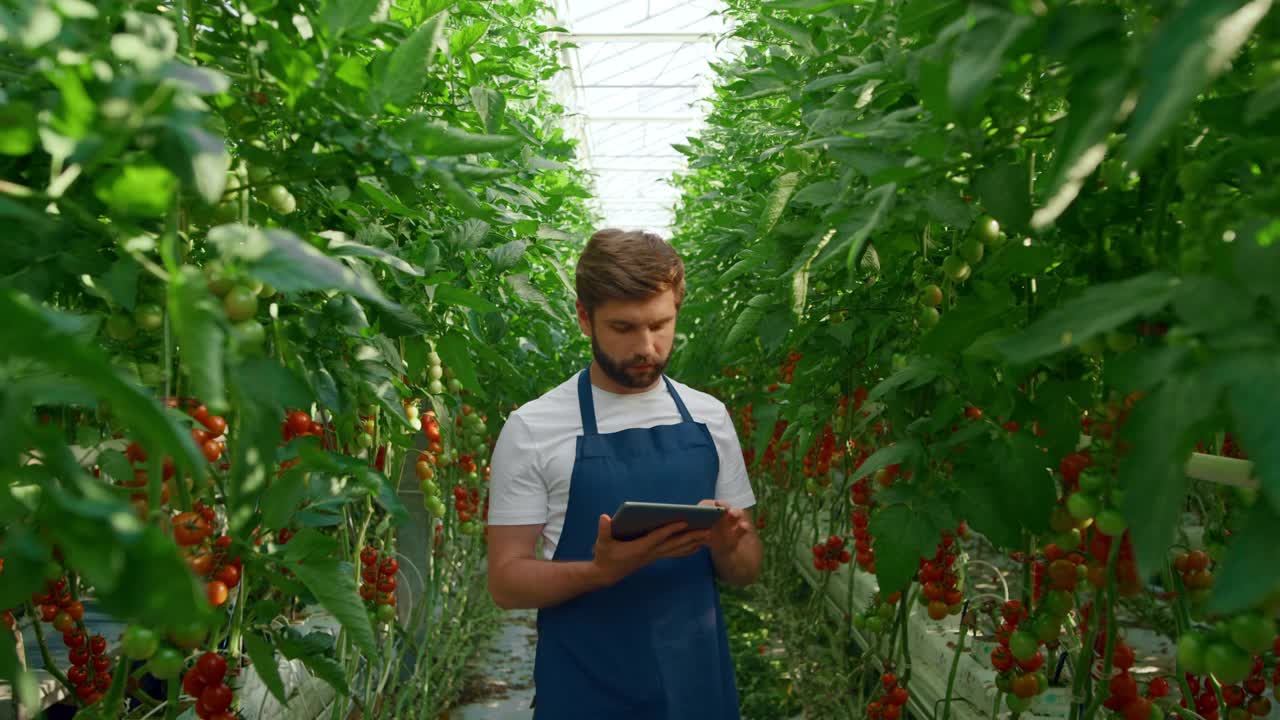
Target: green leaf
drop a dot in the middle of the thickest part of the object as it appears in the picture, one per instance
(798, 34)
(200, 160)
(143, 190)
(17, 128)
(1253, 391)
(1153, 473)
(282, 498)
(334, 585)
(121, 282)
(453, 351)
(901, 538)
(457, 193)
(963, 324)
(749, 320)
(1095, 100)
(506, 256)
(986, 35)
(405, 72)
(272, 385)
(195, 315)
(777, 201)
(920, 371)
(28, 693)
(431, 137)
(528, 292)
(462, 40)
(316, 653)
(1247, 575)
(491, 105)
(340, 246)
(1097, 310)
(280, 259)
(454, 295)
(339, 16)
(264, 662)
(1005, 193)
(1189, 51)
(51, 338)
(886, 456)
(982, 500)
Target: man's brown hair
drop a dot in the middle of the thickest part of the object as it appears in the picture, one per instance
(627, 265)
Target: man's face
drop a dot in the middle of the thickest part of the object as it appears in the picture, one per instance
(632, 340)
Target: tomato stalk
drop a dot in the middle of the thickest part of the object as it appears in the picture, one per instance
(116, 692)
(1104, 689)
(171, 707)
(237, 623)
(955, 666)
(49, 663)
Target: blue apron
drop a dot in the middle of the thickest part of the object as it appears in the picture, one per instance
(653, 646)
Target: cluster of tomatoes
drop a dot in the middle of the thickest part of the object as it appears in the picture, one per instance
(861, 518)
(1231, 649)
(817, 462)
(298, 423)
(1242, 701)
(206, 683)
(208, 557)
(878, 614)
(890, 706)
(1125, 697)
(788, 370)
(378, 583)
(939, 585)
(466, 501)
(1194, 570)
(425, 469)
(830, 555)
(1018, 658)
(90, 670)
(775, 446)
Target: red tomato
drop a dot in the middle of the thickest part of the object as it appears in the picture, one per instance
(299, 422)
(212, 667)
(217, 593)
(229, 575)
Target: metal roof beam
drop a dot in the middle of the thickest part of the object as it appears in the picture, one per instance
(636, 37)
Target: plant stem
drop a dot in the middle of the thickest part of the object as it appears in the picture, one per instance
(1104, 689)
(951, 675)
(49, 665)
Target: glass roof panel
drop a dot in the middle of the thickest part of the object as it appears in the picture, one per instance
(633, 87)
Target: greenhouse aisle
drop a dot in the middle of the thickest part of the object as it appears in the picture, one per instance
(504, 687)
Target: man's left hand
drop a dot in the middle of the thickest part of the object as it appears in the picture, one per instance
(730, 529)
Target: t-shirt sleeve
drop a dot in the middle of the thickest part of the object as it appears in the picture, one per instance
(732, 485)
(517, 492)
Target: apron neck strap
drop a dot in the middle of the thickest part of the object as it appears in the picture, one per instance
(587, 405)
(684, 411)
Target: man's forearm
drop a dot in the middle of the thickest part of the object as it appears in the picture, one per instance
(536, 584)
(742, 566)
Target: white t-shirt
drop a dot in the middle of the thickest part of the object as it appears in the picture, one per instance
(533, 458)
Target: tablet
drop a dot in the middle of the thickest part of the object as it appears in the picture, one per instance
(636, 519)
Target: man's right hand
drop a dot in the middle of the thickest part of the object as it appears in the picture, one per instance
(616, 559)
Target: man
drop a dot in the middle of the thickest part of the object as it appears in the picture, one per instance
(626, 630)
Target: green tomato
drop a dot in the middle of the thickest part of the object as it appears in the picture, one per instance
(386, 614)
(227, 211)
(435, 505)
(259, 174)
(1048, 628)
(166, 663)
(218, 282)
(956, 268)
(281, 200)
(1191, 653)
(1092, 480)
(875, 625)
(364, 440)
(886, 611)
(149, 317)
(435, 372)
(1023, 645)
(986, 229)
(972, 250)
(240, 304)
(455, 386)
(150, 374)
(433, 359)
(1082, 505)
(1228, 663)
(1110, 522)
(1252, 632)
(929, 317)
(435, 387)
(859, 622)
(429, 488)
(266, 291)
(1017, 704)
(931, 296)
(139, 643)
(1058, 603)
(120, 327)
(250, 334)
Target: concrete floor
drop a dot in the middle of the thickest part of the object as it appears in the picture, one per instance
(507, 676)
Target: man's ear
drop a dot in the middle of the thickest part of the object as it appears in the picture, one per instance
(584, 318)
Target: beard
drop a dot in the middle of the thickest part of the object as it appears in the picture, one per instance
(622, 373)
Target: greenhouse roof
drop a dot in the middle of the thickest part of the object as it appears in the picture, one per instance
(632, 89)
